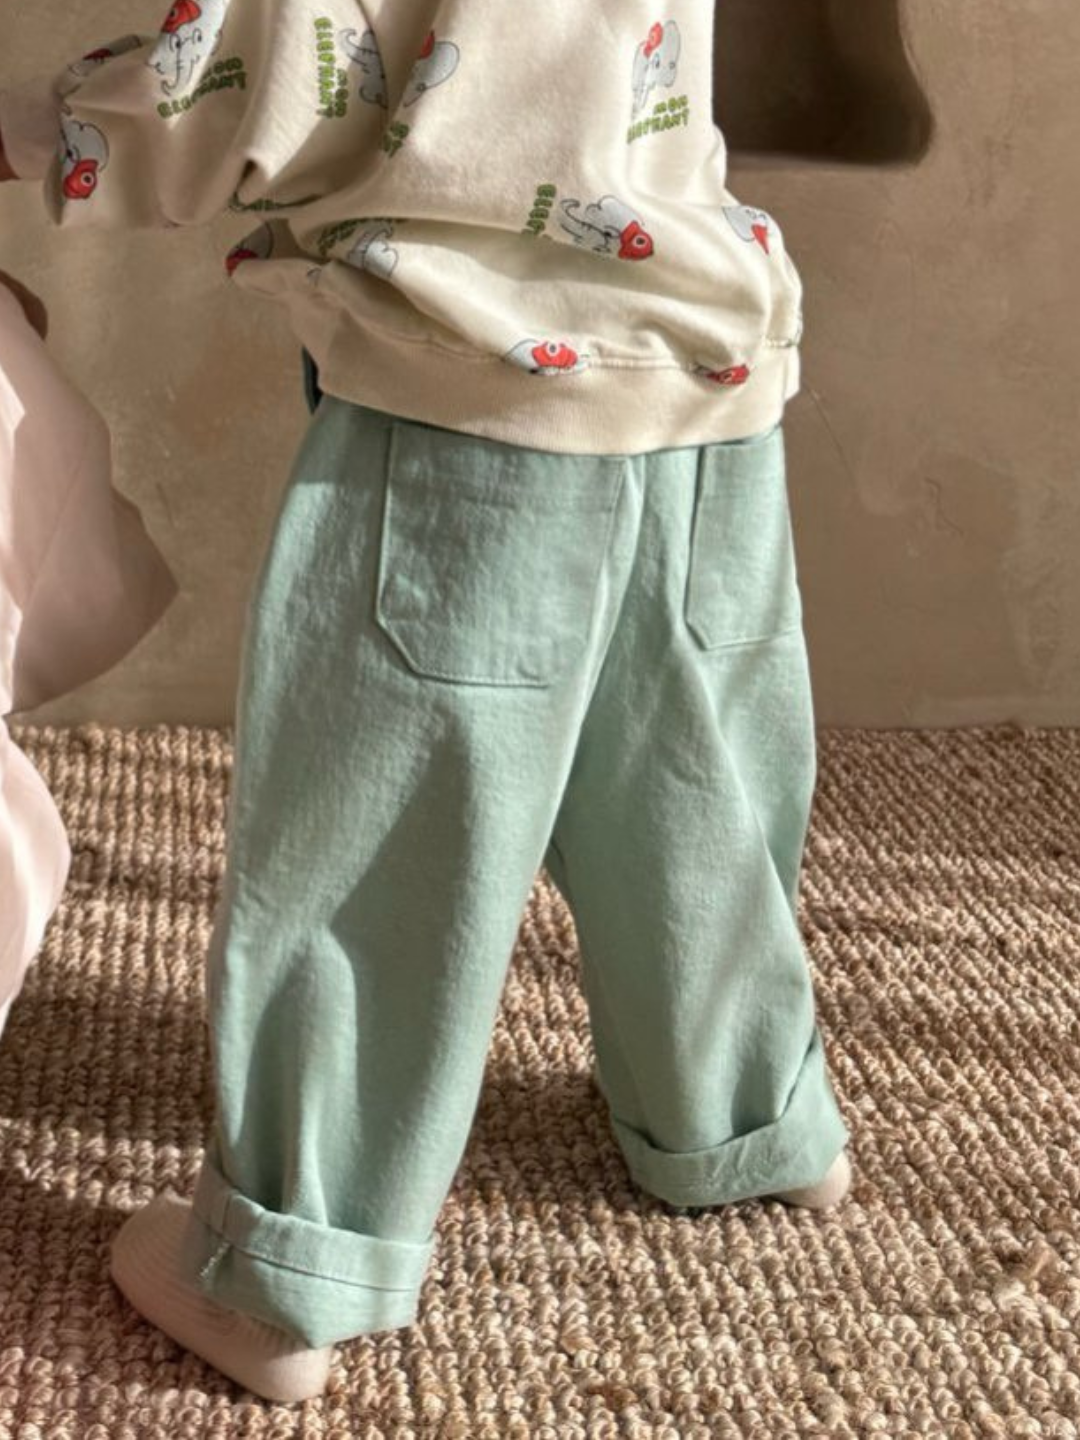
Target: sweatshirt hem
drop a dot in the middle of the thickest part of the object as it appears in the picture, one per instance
(611, 411)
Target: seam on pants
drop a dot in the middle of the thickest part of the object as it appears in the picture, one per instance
(758, 1162)
(427, 670)
(753, 640)
(628, 461)
(237, 1220)
(638, 467)
(323, 1274)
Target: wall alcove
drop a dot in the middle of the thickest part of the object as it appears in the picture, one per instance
(830, 80)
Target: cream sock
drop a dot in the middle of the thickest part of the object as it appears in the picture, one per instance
(146, 1267)
(825, 1193)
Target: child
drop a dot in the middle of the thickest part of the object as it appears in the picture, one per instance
(531, 599)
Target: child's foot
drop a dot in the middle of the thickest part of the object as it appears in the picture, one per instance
(825, 1193)
(146, 1267)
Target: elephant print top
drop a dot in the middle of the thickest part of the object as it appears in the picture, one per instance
(507, 219)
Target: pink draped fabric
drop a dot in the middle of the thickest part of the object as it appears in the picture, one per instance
(80, 583)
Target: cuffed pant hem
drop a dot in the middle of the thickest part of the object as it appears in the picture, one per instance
(795, 1150)
(317, 1283)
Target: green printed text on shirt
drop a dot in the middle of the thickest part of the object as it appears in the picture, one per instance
(333, 81)
(334, 234)
(666, 115)
(394, 137)
(539, 215)
(225, 75)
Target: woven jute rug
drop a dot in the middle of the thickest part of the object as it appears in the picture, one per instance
(941, 908)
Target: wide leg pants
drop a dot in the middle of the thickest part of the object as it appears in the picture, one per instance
(465, 660)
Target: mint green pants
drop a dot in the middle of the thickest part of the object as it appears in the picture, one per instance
(466, 660)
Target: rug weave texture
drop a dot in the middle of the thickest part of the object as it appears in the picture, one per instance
(941, 911)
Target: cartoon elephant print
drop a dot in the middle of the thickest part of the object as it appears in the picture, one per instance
(365, 53)
(190, 35)
(607, 227)
(656, 62)
(438, 61)
(84, 153)
(373, 252)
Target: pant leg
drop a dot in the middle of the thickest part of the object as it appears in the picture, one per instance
(680, 836)
(419, 651)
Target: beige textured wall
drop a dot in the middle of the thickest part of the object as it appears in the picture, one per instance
(934, 450)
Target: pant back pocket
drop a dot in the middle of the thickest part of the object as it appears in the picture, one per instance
(491, 555)
(741, 582)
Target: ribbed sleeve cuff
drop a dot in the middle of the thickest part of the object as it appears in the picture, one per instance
(30, 127)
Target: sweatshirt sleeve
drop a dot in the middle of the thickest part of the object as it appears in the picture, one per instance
(156, 131)
(30, 127)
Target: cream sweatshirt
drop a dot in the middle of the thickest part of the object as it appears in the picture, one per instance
(511, 220)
